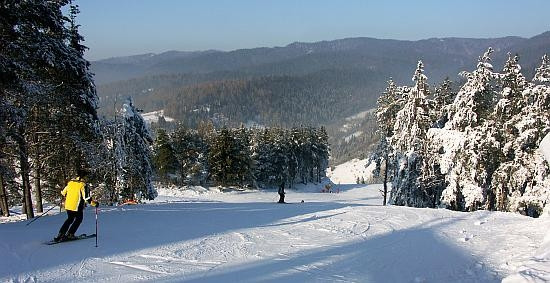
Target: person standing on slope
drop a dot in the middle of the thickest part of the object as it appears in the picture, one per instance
(75, 196)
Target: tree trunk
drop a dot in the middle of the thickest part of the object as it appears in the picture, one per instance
(3, 198)
(385, 181)
(319, 174)
(23, 159)
(37, 187)
(38, 191)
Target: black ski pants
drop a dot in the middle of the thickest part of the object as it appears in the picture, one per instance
(74, 218)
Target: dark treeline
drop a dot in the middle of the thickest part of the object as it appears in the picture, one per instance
(241, 157)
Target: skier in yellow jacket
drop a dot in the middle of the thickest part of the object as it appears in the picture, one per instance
(75, 196)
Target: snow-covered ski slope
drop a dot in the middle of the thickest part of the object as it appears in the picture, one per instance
(208, 236)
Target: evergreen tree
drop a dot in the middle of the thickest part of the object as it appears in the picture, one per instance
(191, 151)
(271, 158)
(476, 140)
(223, 160)
(475, 100)
(243, 157)
(443, 97)
(279, 156)
(137, 171)
(47, 88)
(389, 103)
(519, 182)
(411, 124)
(542, 74)
(164, 158)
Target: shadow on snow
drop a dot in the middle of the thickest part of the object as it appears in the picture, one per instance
(130, 228)
(408, 255)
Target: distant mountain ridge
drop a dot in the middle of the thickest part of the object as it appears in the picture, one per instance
(436, 52)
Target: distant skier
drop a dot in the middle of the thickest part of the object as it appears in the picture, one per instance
(75, 196)
(282, 193)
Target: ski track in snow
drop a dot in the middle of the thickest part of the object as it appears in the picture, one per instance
(246, 237)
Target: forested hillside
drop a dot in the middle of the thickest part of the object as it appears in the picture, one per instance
(314, 84)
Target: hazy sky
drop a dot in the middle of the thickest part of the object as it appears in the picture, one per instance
(128, 27)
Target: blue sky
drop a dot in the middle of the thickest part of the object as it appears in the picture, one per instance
(128, 27)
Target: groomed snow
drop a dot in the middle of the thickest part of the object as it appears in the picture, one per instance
(203, 235)
(347, 173)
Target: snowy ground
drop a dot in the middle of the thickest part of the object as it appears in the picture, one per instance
(208, 236)
(348, 172)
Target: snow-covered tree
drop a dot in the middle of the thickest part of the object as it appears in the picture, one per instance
(389, 104)
(485, 156)
(469, 142)
(521, 181)
(542, 74)
(411, 124)
(47, 87)
(243, 156)
(271, 158)
(223, 160)
(443, 97)
(475, 100)
(136, 176)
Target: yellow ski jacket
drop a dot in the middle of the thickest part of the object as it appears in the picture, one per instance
(74, 193)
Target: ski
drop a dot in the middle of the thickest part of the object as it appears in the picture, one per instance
(79, 237)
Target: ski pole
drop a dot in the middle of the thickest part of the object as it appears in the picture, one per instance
(36, 218)
(96, 208)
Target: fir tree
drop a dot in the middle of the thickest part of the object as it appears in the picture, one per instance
(389, 103)
(475, 100)
(222, 159)
(164, 158)
(411, 124)
(191, 151)
(137, 170)
(443, 97)
(47, 88)
(542, 74)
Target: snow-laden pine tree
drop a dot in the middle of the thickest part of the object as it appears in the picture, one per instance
(432, 180)
(271, 158)
(70, 136)
(542, 74)
(469, 144)
(521, 182)
(389, 103)
(136, 176)
(48, 91)
(511, 84)
(442, 98)
(322, 152)
(408, 140)
(223, 159)
(243, 157)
